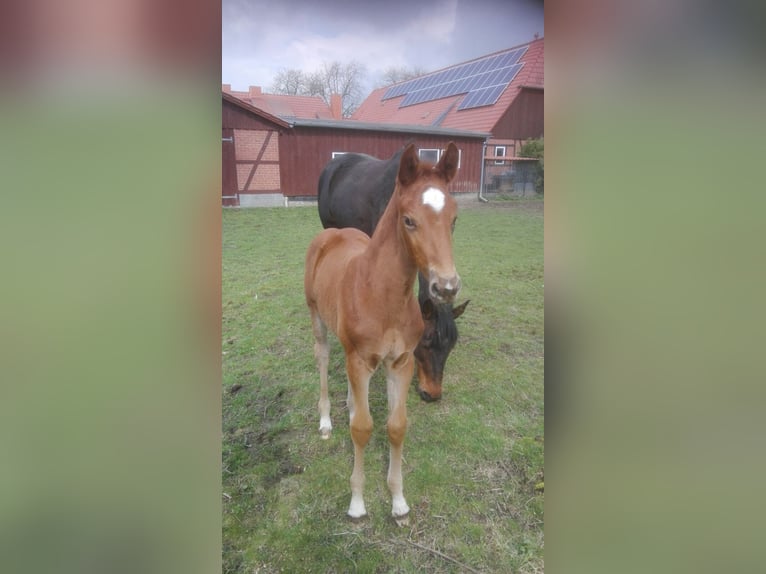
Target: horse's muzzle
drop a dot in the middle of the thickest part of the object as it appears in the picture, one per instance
(427, 397)
(444, 290)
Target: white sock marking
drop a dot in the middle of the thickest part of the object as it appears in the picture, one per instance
(399, 507)
(434, 198)
(325, 427)
(356, 509)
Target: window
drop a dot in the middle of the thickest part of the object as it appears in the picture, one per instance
(431, 155)
(338, 153)
(500, 151)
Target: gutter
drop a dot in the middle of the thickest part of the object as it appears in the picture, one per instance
(483, 164)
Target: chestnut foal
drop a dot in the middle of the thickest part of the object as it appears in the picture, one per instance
(362, 289)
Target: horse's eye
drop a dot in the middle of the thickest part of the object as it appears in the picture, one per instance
(454, 221)
(409, 222)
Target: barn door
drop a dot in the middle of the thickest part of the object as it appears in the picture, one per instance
(229, 189)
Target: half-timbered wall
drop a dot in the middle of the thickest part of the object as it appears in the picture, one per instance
(257, 153)
(253, 166)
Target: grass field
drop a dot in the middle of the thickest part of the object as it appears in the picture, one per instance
(473, 462)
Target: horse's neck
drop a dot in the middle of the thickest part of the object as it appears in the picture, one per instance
(387, 256)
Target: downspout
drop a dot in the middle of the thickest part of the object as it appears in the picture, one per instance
(481, 180)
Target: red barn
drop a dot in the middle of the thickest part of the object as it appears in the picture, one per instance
(276, 159)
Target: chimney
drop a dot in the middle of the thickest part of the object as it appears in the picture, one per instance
(336, 106)
(226, 88)
(254, 91)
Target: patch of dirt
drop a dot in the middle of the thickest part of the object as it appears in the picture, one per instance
(258, 437)
(510, 483)
(255, 454)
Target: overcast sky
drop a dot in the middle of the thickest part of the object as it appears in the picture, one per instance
(261, 37)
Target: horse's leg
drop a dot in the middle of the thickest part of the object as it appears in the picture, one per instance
(322, 355)
(361, 427)
(398, 377)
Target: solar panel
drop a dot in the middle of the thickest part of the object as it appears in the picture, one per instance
(485, 63)
(505, 75)
(516, 55)
(483, 81)
(488, 95)
(506, 60)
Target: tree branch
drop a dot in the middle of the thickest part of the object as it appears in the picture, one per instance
(444, 556)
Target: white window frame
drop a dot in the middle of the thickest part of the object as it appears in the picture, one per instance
(429, 149)
(440, 153)
(338, 153)
(497, 153)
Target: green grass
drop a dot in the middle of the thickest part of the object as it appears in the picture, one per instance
(473, 461)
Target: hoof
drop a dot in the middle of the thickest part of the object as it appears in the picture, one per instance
(325, 433)
(357, 519)
(399, 508)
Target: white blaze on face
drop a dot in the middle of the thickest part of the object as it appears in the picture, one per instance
(434, 198)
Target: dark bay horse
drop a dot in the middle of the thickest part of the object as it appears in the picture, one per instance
(353, 191)
(361, 287)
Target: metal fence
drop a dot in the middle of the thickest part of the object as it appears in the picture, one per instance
(512, 176)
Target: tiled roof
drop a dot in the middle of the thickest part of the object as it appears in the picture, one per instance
(254, 110)
(349, 124)
(444, 112)
(287, 107)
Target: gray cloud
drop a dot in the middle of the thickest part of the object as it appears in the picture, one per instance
(261, 37)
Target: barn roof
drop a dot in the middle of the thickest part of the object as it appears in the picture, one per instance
(254, 110)
(351, 124)
(285, 107)
(472, 95)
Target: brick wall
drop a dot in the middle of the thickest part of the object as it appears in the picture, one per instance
(248, 145)
(265, 178)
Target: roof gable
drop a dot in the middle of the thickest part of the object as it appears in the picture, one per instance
(253, 110)
(285, 107)
(469, 96)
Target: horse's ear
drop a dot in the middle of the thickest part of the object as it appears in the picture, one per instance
(408, 165)
(457, 311)
(448, 163)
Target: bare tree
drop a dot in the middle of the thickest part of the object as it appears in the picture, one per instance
(290, 82)
(315, 85)
(394, 75)
(334, 78)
